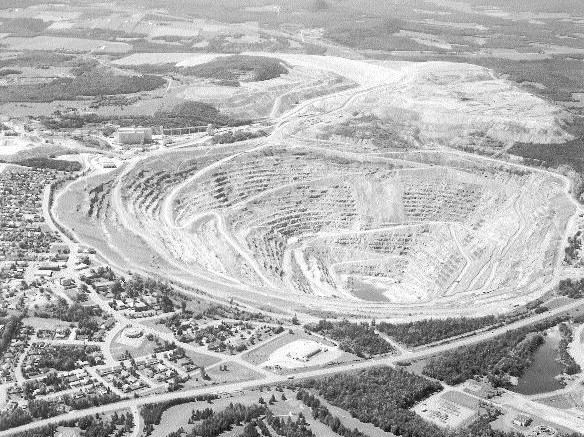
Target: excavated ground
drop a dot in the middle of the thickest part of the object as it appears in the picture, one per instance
(360, 202)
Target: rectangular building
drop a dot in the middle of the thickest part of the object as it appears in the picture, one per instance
(134, 135)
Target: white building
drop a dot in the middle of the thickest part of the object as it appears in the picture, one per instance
(305, 350)
(134, 135)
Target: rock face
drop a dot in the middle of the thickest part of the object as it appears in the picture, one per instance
(316, 225)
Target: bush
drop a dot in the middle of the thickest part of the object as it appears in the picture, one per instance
(54, 164)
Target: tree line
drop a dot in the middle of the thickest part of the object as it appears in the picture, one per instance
(428, 331)
(322, 413)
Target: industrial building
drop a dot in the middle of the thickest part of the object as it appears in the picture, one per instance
(134, 135)
(305, 350)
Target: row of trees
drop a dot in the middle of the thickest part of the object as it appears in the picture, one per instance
(571, 367)
(10, 329)
(289, 427)
(225, 420)
(51, 163)
(43, 409)
(238, 135)
(427, 331)
(357, 338)
(572, 251)
(152, 413)
(322, 413)
(203, 414)
(115, 425)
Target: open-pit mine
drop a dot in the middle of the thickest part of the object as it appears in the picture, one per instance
(363, 202)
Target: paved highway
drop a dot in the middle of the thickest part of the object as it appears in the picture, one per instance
(274, 378)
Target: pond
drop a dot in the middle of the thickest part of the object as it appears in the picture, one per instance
(540, 376)
(368, 292)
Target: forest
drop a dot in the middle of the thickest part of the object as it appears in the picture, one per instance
(192, 113)
(238, 135)
(233, 69)
(322, 413)
(89, 83)
(50, 163)
(428, 331)
(508, 354)
(225, 420)
(92, 426)
(382, 396)
(152, 413)
(357, 338)
(572, 288)
(185, 114)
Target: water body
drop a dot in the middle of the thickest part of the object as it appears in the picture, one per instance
(367, 292)
(539, 377)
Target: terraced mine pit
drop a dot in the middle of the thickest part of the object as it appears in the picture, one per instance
(362, 218)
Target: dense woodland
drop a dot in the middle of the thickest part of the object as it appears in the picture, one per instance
(50, 163)
(428, 331)
(381, 396)
(115, 425)
(69, 313)
(573, 288)
(238, 135)
(230, 70)
(225, 420)
(89, 83)
(41, 409)
(152, 413)
(185, 114)
(322, 413)
(63, 358)
(357, 338)
(559, 155)
(496, 359)
(193, 113)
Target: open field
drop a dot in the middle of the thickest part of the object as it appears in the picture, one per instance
(179, 415)
(448, 409)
